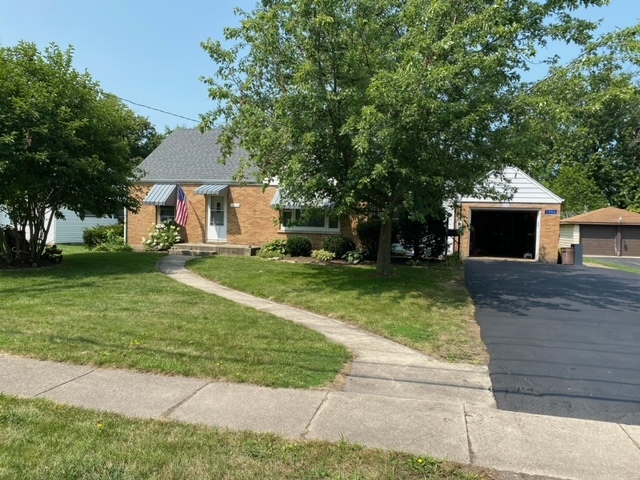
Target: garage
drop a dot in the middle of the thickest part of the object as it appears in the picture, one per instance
(610, 232)
(510, 234)
(525, 224)
(598, 239)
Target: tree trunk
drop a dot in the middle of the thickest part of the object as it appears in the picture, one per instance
(383, 264)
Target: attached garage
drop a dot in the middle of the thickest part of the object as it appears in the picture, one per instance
(609, 231)
(527, 226)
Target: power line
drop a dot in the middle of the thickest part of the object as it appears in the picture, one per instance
(153, 108)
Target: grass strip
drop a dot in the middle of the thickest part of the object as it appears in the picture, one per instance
(615, 266)
(426, 308)
(116, 310)
(41, 440)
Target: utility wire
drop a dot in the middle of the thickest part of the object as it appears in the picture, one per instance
(152, 108)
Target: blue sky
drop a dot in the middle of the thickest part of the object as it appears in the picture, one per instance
(149, 51)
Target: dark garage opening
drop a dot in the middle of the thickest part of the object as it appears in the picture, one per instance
(509, 234)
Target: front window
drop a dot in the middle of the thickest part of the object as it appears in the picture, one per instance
(318, 221)
(166, 213)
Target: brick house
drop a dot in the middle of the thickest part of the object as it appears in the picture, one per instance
(221, 210)
(527, 225)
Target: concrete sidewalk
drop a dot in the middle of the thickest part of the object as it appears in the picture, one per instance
(394, 398)
(472, 434)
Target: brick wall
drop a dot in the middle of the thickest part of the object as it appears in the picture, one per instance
(549, 228)
(251, 221)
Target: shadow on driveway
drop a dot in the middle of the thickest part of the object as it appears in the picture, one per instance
(563, 340)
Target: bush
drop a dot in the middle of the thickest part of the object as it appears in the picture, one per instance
(323, 255)
(354, 257)
(93, 236)
(298, 247)
(113, 243)
(337, 245)
(162, 236)
(277, 246)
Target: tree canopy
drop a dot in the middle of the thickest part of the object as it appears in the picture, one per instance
(382, 104)
(64, 143)
(585, 120)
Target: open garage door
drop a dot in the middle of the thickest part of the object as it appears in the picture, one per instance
(499, 233)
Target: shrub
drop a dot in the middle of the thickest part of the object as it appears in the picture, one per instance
(427, 239)
(162, 236)
(298, 247)
(323, 255)
(354, 257)
(337, 245)
(113, 243)
(93, 236)
(277, 246)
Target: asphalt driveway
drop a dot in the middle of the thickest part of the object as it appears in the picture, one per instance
(563, 340)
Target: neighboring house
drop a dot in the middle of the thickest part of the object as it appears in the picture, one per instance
(220, 210)
(525, 226)
(70, 229)
(608, 231)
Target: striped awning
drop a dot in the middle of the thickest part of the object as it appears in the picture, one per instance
(159, 195)
(281, 202)
(211, 190)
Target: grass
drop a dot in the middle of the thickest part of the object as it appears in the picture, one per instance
(615, 266)
(41, 440)
(426, 308)
(116, 310)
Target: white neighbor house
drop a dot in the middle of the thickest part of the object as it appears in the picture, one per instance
(70, 229)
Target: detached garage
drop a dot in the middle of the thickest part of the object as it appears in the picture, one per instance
(526, 226)
(609, 231)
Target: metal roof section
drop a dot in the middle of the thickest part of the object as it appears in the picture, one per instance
(159, 195)
(524, 189)
(189, 156)
(211, 190)
(605, 216)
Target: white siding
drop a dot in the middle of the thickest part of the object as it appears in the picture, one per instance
(4, 219)
(70, 229)
(569, 234)
(521, 186)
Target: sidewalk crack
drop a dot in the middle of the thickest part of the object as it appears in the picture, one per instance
(305, 432)
(63, 383)
(472, 454)
(172, 409)
(637, 445)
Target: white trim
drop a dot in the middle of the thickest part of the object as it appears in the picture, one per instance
(538, 223)
(306, 229)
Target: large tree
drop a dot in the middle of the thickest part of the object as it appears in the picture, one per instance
(386, 104)
(586, 117)
(63, 143)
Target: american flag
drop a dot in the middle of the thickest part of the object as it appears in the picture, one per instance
(182, 210)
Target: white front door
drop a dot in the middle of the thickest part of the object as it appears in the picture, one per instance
(217, 221)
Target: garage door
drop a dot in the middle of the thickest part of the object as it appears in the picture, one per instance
(598, 239)
(631, 241)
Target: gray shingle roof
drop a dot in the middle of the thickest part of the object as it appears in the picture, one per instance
(188, 156)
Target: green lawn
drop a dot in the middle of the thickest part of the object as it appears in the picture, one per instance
(116, 310)
(40, 440)
(615, 266)
(426, 308)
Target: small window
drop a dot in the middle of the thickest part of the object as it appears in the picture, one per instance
(166, 213)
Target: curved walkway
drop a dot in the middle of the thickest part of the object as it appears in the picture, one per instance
(380, 367)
